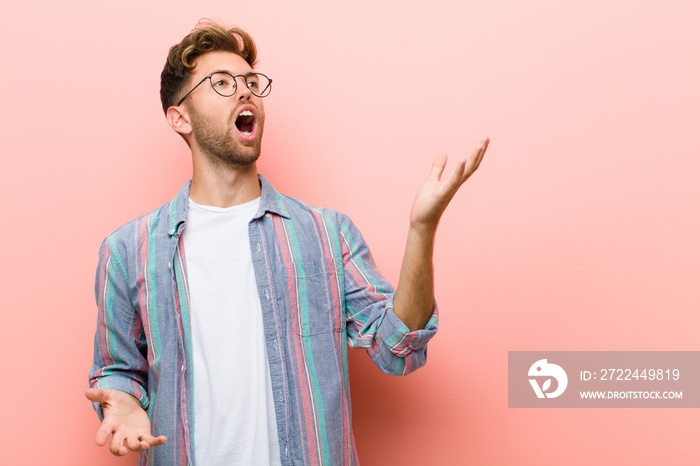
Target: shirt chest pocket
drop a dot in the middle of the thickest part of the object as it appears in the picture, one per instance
(315, 297)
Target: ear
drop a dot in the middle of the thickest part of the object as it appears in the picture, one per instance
(179, 120)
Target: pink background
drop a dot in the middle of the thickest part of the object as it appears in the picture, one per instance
(579, 232)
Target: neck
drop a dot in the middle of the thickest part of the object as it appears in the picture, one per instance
(224, 186)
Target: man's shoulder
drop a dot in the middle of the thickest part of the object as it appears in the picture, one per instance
(155, 222)
(160, 220)
(134, 224)
(299, 209)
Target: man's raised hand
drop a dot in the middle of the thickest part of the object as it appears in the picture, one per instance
(125, 420)
(415, 295)
(435, 194)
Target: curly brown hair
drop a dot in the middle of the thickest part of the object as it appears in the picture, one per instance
(206, 37)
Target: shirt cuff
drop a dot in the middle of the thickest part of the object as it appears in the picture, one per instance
(124, 384)
(399, 339)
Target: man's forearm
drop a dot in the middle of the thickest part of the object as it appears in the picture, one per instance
(413, 302)
(415, 296)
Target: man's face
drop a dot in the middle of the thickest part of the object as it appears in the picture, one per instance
(227, 129)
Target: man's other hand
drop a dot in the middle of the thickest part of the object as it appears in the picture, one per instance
(125, 420)
(435, 194)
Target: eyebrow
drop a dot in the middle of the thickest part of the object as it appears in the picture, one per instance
(231, 73)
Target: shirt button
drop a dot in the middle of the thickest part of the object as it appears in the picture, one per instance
(170, 266)
(259, 248)
(267, 214)
(267, 294)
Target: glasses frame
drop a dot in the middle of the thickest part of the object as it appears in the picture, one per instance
(235, 84)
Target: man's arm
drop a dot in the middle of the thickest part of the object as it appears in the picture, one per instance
(119, 374)
(414, 298)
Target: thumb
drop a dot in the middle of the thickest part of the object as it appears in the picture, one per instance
(97, 395)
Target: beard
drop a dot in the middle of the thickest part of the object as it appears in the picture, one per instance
(219, 144)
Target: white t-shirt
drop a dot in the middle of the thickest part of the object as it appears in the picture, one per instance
(233, 404)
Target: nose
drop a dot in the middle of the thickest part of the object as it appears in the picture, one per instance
(242, 90)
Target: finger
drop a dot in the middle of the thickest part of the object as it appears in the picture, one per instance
(103, 433)
(136, 444)
(144, 442)
(154, 441)
(484, 145)
(117, 446)
(449, 187)
(438, 167)
(475, 159)
(457, 177)
(478, 152)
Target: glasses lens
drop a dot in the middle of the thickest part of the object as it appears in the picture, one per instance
(223, 83)
(259, 84)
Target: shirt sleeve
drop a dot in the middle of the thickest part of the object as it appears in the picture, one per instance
(120, 346)
(369, 306)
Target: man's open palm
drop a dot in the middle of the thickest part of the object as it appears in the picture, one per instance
(125, 420)
(435, 194)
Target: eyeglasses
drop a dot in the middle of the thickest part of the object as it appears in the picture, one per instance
(224, 84)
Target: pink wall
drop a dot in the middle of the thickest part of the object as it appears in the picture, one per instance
(579, 232)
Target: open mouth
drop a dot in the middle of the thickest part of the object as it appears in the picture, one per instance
(245, 122)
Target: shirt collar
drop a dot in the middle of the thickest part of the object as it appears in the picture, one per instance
(270, 201)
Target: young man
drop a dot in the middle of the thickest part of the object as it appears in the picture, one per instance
(224, 315)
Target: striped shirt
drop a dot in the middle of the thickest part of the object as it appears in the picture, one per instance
(319, 291)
